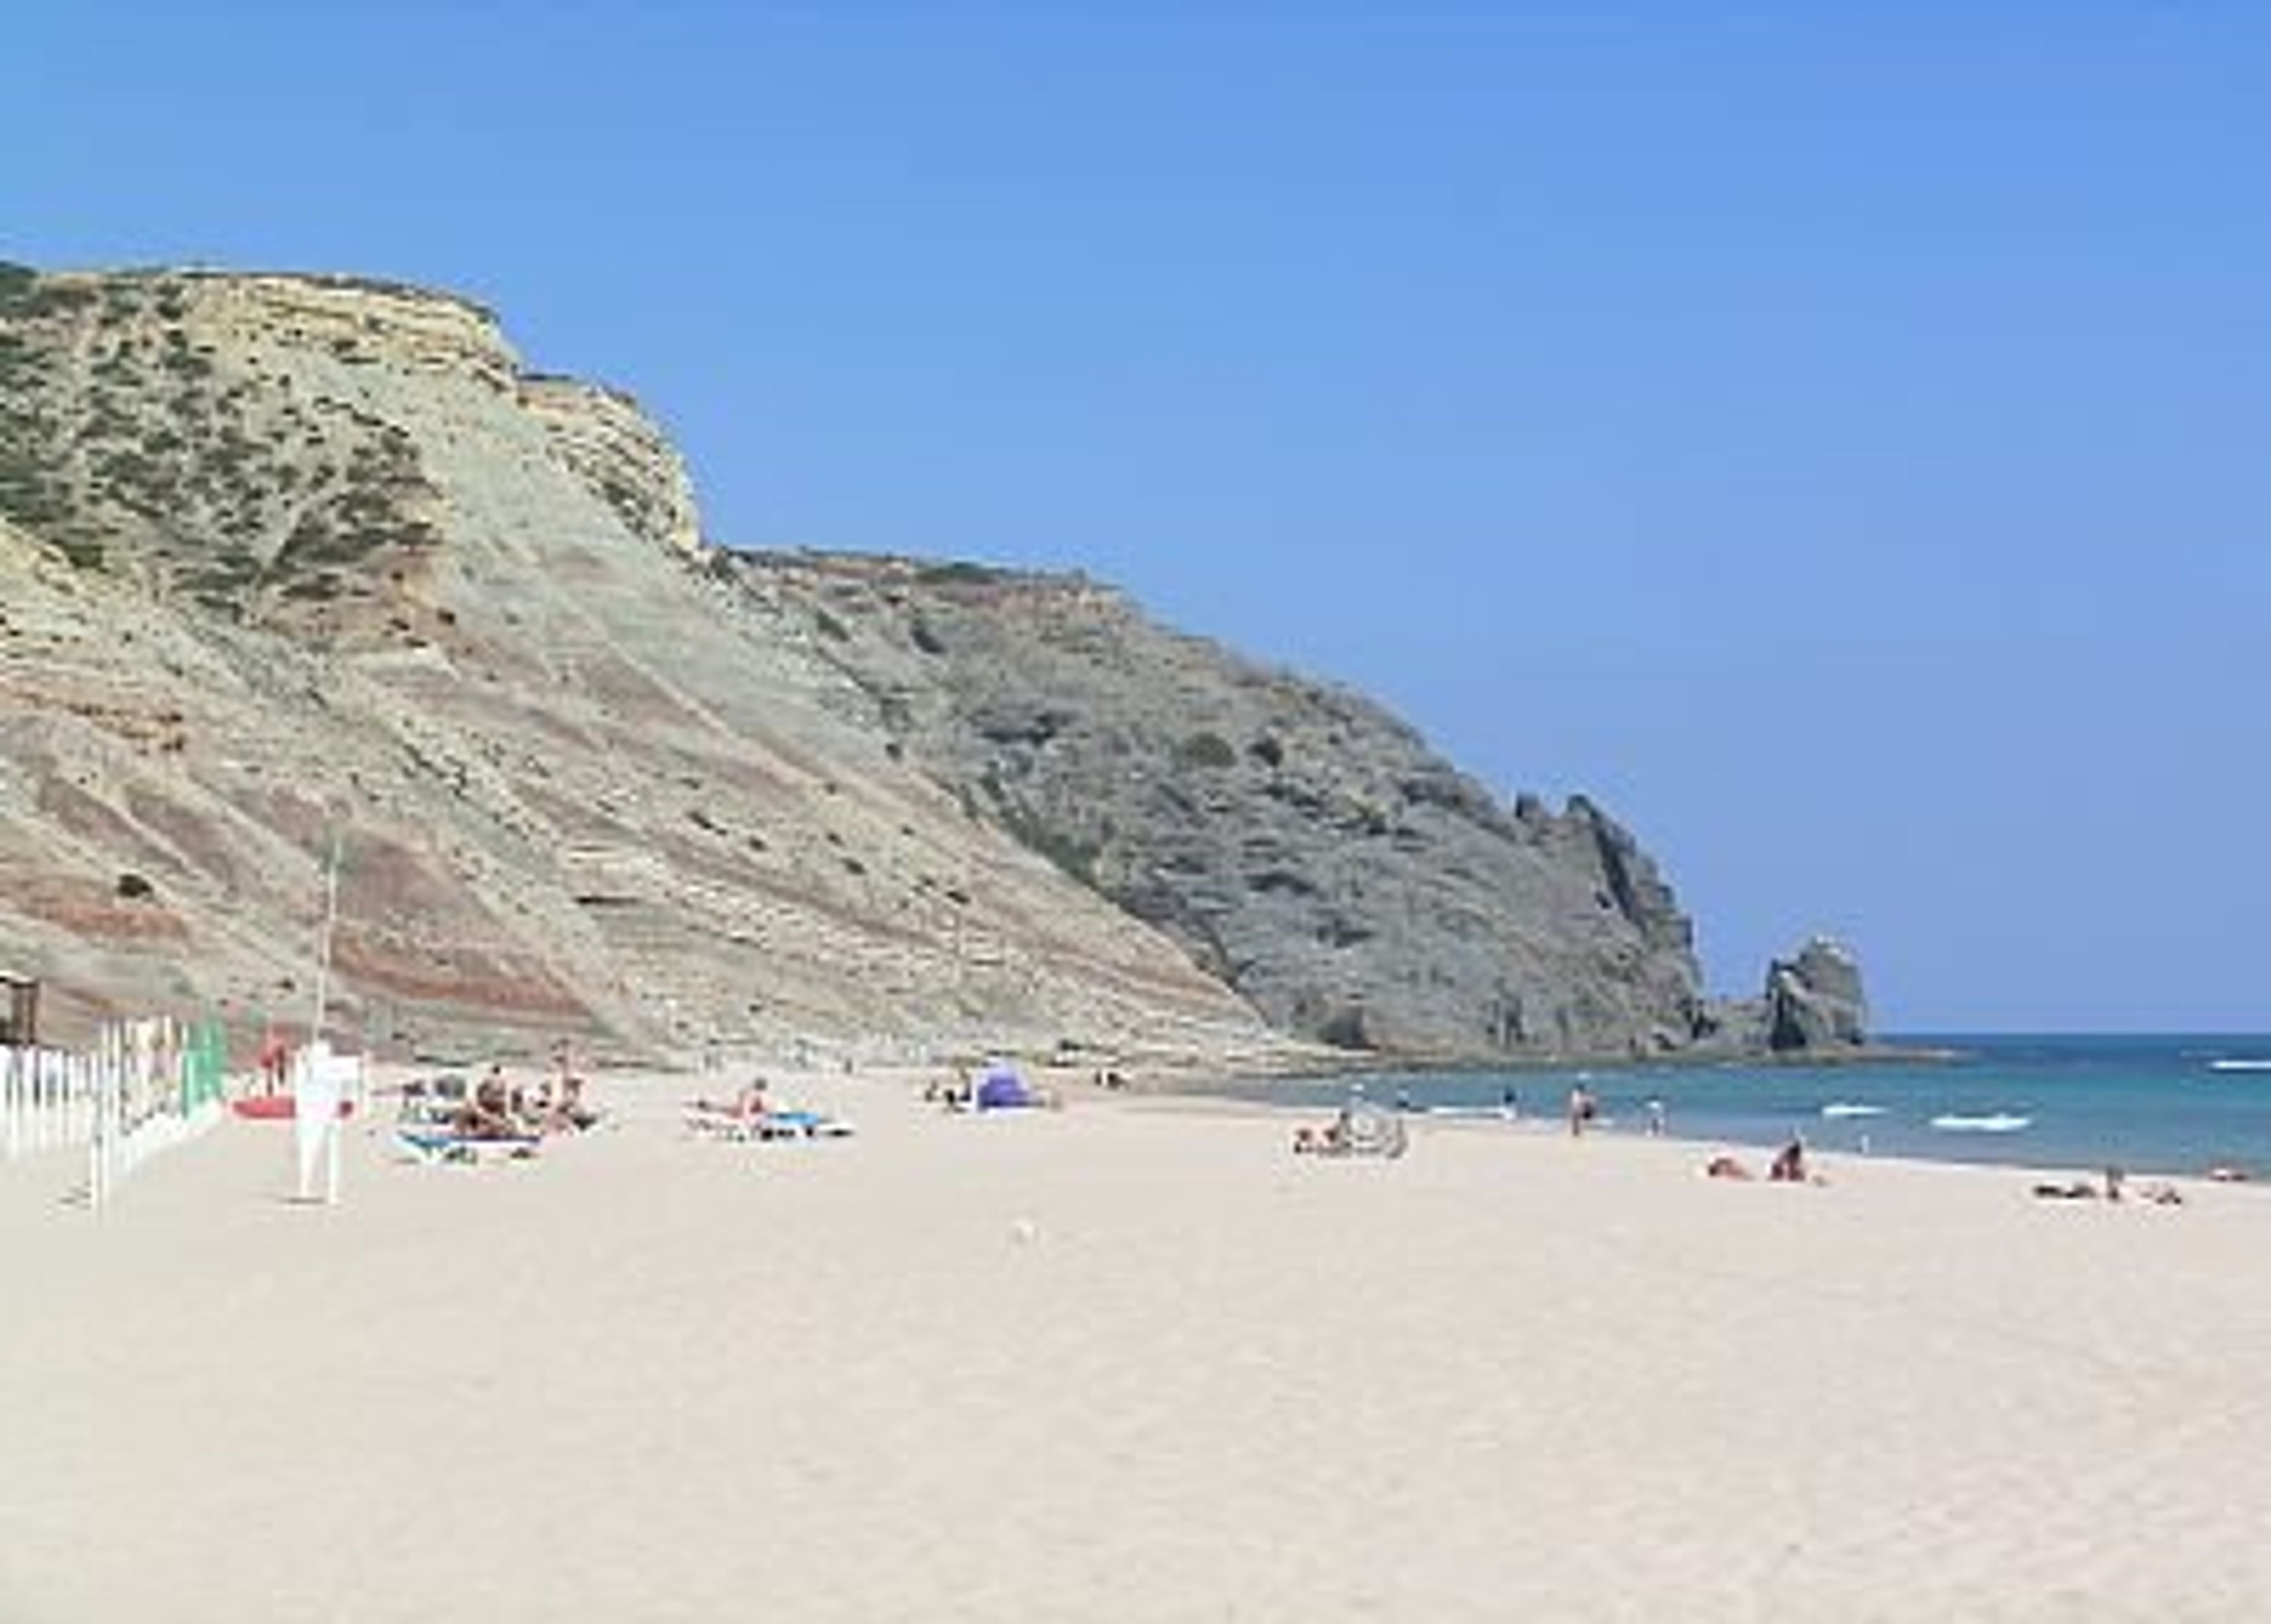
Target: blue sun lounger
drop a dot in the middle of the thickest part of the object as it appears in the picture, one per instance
(770, 1125)
(438, 1146)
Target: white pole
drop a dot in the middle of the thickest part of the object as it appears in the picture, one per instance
(323, 950)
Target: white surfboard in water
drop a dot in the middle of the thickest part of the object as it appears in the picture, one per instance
(2239, 1065)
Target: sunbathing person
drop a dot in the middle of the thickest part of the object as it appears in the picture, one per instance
(1337, 1137)
(746, 1108)
(2161, 1193)
(488, 1114)
(1725, 1166)
(560, 1105)
(1789, 1164)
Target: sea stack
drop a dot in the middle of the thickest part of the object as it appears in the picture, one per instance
(1815, 1002)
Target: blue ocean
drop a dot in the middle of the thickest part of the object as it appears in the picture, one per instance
(2157, 1104)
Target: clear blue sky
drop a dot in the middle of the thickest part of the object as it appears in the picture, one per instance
(1834, 436)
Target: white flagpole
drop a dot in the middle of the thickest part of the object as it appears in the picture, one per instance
(324, 956)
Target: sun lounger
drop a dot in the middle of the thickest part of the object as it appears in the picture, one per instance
(805, 1125)
(712, 1124)
(436, 1145)
(432, 1103)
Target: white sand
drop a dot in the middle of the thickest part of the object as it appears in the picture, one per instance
(1127, 1361)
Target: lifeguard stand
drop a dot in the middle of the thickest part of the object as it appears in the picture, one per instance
(19, 1012)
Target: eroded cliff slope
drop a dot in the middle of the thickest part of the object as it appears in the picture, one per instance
(292, 564)
(1300, 842)
(287, 561)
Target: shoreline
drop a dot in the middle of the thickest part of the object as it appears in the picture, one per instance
(1536, 1125)
(2154, 1104)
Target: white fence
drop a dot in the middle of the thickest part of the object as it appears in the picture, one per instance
(147, 1086)
(47, 1100)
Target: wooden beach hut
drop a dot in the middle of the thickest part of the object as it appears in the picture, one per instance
(19, 1010)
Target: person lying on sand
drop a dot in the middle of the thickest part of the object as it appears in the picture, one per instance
(750, 1106)
(2161, 1193)
(1335, 1138)
(1725, 1166)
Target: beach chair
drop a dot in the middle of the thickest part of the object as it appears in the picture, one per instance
(431, 1102)
(804, 1125)
(709, 1122)
(435, 1146)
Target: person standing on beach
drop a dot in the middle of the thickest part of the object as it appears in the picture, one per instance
(274, 1061)
(1583, 1109)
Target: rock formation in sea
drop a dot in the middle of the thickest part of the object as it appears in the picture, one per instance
(1815, 1002)
(290, 562)
(1813, 1006)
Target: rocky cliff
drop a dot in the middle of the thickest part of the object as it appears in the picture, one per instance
(1299, 842)
(287, 561)
(295, 564)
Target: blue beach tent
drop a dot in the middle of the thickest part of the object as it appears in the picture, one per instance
(1001, 1089)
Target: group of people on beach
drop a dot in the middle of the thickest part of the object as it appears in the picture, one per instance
(997, 1085)
(1335, 1138)
(2115, 1187)
(1584, 1113)
(497, 1108)
(1788, 1166)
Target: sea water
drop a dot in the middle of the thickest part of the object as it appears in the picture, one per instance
(2146, 1103)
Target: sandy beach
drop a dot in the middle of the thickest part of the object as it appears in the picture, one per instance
(1128, 1360)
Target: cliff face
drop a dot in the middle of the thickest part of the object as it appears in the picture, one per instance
(291, 564)
(1299, 842)
(287, 560)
